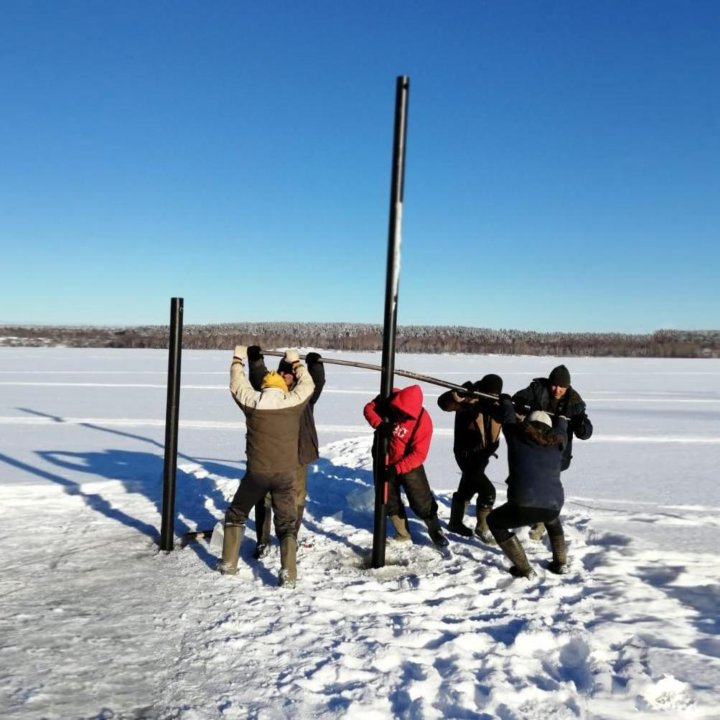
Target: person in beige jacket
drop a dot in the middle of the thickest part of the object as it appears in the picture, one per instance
(272, 416)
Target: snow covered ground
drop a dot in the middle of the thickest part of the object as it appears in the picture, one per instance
(96, 622)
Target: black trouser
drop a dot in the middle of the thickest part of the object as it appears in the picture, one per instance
(502, 519)
(474, 480)
(417, 490)
(253, 487)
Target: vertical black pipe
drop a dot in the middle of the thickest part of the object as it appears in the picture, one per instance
(402, 90)
(167, 529)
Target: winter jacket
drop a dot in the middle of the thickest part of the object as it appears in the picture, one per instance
(308, 443)
(273, 420)
(535, 455)
(477, 432)
(411, 426)
(537, 396)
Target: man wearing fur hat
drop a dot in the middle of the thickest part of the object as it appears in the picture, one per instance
(308, 444)
(535, 493)
(272, 416)
(476, 440)
(556, 395)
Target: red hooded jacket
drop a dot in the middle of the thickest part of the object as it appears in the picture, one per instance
(412, 427)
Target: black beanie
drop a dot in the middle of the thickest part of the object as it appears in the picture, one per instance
(285, 367)
(560, 376)
(490, 385)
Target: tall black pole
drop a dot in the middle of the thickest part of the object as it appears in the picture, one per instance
(167, 529)
(402, 90)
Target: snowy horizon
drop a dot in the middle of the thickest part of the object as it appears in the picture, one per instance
(98, 623)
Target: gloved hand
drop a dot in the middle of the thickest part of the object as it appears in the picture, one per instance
(254, 353)
(385, 427)
(291, 356)
(240, 352)
(311, 358)
(505, 397)
(390, 472)
(582, 427)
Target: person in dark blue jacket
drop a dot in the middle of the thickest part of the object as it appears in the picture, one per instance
(557, 396)
(535, 493)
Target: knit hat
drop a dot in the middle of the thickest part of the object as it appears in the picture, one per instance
(274, 380)
(285, 367)
(540, 416)
(490, 385)
(560, 376)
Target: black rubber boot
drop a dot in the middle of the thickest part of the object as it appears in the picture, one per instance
(557, 545)
(512, 547)
(481, 528)
(232, 537)
(457, 513)
(436, 533)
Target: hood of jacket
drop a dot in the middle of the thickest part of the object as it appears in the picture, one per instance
(408, 401)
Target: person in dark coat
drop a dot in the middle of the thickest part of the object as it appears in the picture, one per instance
(410, 431)
(556, 395)
(308, 444)
(475, 441)
(535, 493)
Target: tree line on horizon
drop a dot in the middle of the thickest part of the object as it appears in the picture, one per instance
(361, 337)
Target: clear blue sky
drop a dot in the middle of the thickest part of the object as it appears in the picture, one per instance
(563, 162)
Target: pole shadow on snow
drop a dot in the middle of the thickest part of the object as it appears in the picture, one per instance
(140, 473)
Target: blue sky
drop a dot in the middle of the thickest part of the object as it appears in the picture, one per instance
(563, 162)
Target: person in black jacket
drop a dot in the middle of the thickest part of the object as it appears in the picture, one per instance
(556, 395)
(475, 441)
(535, 493)
(308, 444)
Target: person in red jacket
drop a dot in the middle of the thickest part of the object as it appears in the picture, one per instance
(410, 428)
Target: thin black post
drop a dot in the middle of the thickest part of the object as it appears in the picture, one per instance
(167, 529)
(402, 90)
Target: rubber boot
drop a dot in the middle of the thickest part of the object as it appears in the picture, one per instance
(512, 547)
(288, 562)
(557, 545)
(436, 533)
(402, 531)
(232, 538)
(457, 513)
(481, 528)
(536, 532)
(263, 522)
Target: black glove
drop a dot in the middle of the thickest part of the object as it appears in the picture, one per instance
(582, 427)
(504, 396)
(254, 353)
(311, 358)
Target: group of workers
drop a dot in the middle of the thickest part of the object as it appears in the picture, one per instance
(538, 423)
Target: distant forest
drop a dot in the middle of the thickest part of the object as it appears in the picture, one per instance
(360, 337)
